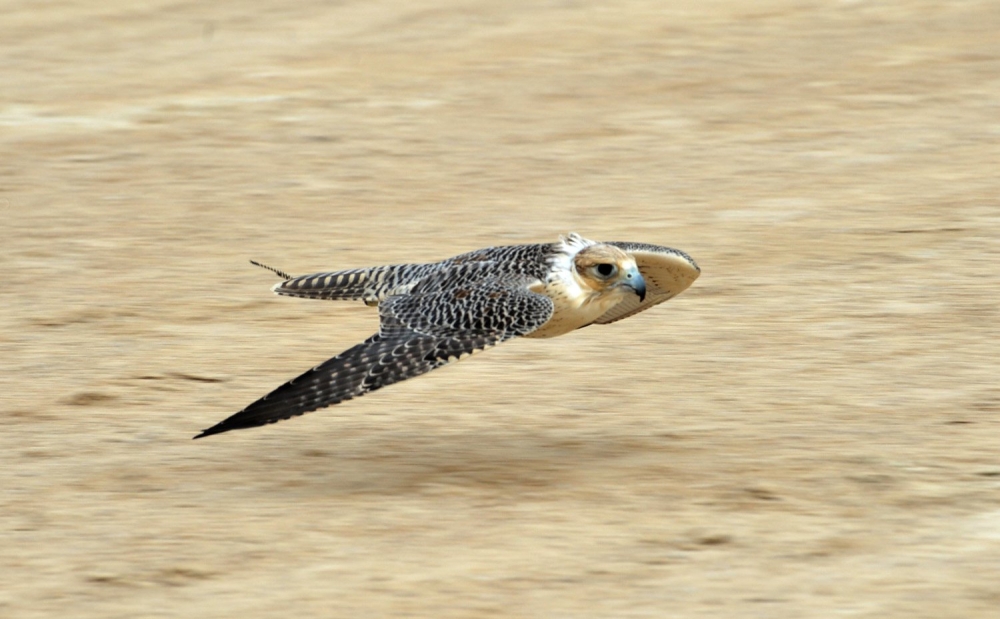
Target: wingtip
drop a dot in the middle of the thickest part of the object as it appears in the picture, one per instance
(277, 272)
(216, 429)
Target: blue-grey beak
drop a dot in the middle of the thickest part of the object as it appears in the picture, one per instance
(633, 279)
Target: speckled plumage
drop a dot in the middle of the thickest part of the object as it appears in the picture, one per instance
(435, 313)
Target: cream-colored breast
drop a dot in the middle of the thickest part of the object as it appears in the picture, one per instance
(575, 305)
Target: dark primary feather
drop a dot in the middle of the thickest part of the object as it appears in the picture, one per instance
(454, 312)
(375, 363)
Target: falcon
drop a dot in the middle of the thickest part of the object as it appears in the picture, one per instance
(435, 313)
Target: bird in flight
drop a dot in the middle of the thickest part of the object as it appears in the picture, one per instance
(434, 313)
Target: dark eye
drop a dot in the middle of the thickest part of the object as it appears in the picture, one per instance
(606, 270)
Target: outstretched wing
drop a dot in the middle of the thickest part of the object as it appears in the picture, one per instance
(375, 284)
(446, 317)
(371, 285)
(668, 272)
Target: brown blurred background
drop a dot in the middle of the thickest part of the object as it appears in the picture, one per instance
(810, 431)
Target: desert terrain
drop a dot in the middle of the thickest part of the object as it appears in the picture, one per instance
(811, 431)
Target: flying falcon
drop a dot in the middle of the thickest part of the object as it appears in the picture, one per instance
(435, 313)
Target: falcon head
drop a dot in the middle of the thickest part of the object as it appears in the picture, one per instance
(605, 268)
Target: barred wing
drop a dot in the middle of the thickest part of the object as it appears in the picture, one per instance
(370, 285)
(418, 333)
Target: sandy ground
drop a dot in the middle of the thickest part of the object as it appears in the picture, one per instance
(811, 431)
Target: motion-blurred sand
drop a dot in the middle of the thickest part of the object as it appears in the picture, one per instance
(810, 431)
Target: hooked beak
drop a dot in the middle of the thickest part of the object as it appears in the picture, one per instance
(633, 279)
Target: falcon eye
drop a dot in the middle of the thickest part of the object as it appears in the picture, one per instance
(606, 270)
